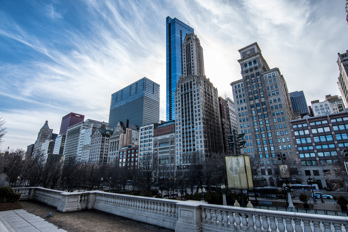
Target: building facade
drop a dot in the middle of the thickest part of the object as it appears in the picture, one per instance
(320, 142)
(78, 140)
(331, 105)
(164, 149)
(232, 113)
(98, 151)
(192, 56)
(128, 157)
(59, 144)
(137, 103)
(299, 103)
(44, 134)
(175, 34)
(225, 120)
(146, 160)
(263, 112)
(69, 120)
(342, 63)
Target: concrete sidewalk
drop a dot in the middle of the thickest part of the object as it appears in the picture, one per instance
(20, 220)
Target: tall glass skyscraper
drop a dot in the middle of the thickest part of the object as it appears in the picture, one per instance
(299, 103)
(137, 104)
(176, 32)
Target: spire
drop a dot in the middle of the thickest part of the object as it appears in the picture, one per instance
(45, 126)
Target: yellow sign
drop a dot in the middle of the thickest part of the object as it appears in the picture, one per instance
(284, 171)
(239, 172)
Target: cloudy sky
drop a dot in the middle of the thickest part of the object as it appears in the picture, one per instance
(64, 56)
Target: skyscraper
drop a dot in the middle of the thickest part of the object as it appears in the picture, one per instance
(264, 111)
(137, 104)
(342, 62)
(69, 120)
(298, 102)
(197, 121)
(44, 134)
(175, 34)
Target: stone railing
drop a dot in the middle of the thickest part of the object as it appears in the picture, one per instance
(185, 215)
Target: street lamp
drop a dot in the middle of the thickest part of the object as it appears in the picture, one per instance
(202, 192)
(285, 174)
(223, 188)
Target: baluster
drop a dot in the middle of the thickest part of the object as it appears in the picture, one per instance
(272, 223)
(213, 216)
(289, 227)
(169, 209)
(237, 220)
(244, 222)
(225, 218)
(298, 227)
(174, 211)
(338, 227)
(327, 226)
(257, 223)
(307, 226)
(204, 215)
(265, 225)
(231, 219)
(208, 212)
(316, 225)
(219, 217)
(345, 227)
(251, 222)
(165, 209)
(281, 226)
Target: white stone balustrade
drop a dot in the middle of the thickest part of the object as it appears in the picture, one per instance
(186, 215)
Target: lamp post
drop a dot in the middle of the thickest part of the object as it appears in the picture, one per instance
(223, 188)
(285, 174)
(201, 192)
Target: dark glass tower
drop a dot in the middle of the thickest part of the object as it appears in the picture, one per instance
(298, 102)
(69, 120)
(176, 32)
(137, 104)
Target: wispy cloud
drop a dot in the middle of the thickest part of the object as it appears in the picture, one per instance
(90, 49)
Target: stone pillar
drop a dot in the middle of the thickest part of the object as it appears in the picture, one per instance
(91, 199)
(69, 202)
(189, 216)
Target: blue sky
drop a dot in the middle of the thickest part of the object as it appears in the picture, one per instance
(58, 57)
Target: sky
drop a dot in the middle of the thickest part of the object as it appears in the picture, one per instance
(63, 56)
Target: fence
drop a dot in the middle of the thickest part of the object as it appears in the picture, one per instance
(185, 215)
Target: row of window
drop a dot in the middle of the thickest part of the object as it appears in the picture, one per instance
(315, 163)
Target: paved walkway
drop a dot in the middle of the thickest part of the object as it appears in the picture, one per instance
(20, 220)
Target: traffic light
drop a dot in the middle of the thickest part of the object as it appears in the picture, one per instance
(236, 142)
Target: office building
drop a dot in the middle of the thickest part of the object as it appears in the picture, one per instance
(59, 144)
(225, 123)
(320, 142)
(197, 119)
(124, 135)
(232, 113)
(299, 103)
(137, 103)
(146, 146)
(164, 149)
(99, 147)
(331, 105)
(44, 134)
(175, 34)
(128, 157)
(263, 112)
(78, 140)
(342, 63)
(69, 120)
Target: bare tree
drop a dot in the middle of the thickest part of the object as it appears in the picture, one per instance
(2, 129)
(337, 176)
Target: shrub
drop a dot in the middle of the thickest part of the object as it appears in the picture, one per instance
(342, 201)
(8, 195)
(303, 198)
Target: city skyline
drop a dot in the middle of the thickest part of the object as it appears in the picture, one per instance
(62, 57)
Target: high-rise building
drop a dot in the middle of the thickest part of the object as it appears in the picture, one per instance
(225, 123)
(69, 120)
(233, 114)
(78, 140)
(146, 146)
(175, 34)
(44, 134)
(342, 62)
(98, 151)
(164, 149)
(331, 105)
(192, 56)
(320, 143)
(138, 103)
(299, 103)
(263, 112)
